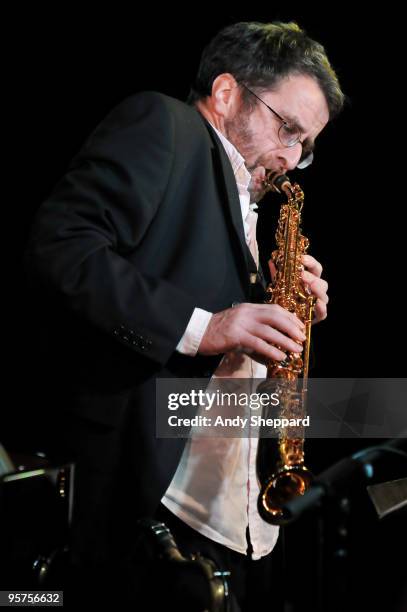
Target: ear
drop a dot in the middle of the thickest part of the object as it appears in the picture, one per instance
(225, 93)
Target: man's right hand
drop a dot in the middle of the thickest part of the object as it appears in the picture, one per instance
(254, 329)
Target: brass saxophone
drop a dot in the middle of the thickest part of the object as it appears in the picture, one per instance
(280, 465)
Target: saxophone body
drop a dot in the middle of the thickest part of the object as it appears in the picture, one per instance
(281, 471)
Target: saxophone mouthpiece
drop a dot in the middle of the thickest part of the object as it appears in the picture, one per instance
(278, 182)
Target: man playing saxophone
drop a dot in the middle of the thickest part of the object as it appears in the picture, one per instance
(148, 247)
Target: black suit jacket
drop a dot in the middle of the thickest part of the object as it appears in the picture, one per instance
(145, 226)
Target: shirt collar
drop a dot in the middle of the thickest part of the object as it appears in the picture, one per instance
(240, 171)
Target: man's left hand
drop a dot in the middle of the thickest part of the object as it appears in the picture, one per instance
(318, 286)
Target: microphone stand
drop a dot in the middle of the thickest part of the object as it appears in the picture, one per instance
(332, 482)
(330, 492)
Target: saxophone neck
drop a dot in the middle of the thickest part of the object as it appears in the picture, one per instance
(280, 183)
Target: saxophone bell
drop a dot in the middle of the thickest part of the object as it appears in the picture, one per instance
(281, 488)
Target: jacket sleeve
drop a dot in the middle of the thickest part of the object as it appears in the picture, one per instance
(100, 210)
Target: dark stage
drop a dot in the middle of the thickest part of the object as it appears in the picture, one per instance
(68, 70)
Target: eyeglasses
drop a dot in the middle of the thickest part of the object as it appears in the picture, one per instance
(288, 134)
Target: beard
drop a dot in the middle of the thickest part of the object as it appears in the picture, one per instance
(239, 133)
(257, 188)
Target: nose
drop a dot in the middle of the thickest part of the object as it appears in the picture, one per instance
(290, 156)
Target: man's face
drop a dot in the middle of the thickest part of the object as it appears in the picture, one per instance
(298, 99)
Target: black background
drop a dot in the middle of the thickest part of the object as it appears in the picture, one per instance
(69, 69)
(74, 69)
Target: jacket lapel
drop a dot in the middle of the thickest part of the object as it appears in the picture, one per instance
(228, 188)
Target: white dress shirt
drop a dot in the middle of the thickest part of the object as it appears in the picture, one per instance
(215, 487)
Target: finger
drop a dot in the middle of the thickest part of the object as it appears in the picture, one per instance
(318, 286)
(274, 313)
(273, 336)
(272, 269)
(320, 311)
(261, 347)
(312, 265)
